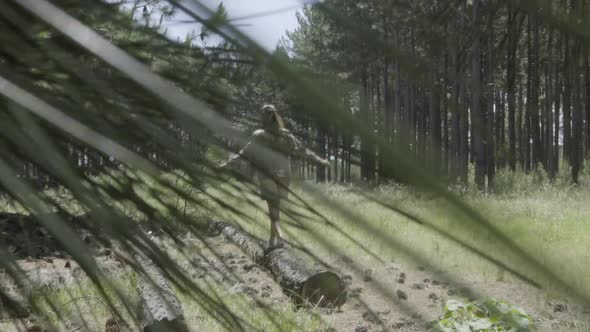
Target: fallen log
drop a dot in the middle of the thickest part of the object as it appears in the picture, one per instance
(248, 244)
(161, 309)
(305, 282)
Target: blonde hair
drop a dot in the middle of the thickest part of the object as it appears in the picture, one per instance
(271, 118)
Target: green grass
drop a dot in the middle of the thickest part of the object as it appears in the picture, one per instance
(550, 222)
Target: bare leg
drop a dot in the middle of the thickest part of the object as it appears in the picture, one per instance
(276, 236)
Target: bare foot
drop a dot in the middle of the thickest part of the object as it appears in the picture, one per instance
(275, 243)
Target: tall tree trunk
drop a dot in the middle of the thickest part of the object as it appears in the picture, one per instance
(548, 142)
(537, 156)
(511, 85)
(334, 152)
(398, 111)
(419, 105)
(328, 154)
(406, 125)
(520, 126)
(455, 129)
(476, 105)
(502, 125)
(364, 110)
(373, 122)
(398, 138)
(585, 87)
(384, 172)
(464, 133)
(435, 128)
(529, 103)
(342, 157)
(556, 114)
(444, 118)
(455, 109)
(321, 171)
(587, 104)
(490, 65)
(413, 104)
(577, 143)
(567, 94)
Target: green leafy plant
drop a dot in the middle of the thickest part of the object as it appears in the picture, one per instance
(490, 315)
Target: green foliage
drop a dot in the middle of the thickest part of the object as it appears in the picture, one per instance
(509, 182)
(488, 316)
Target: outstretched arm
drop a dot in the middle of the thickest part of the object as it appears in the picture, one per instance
(244, 151)
(301, 151)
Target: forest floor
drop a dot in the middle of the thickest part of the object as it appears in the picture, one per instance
(396, 283)
(389, 297)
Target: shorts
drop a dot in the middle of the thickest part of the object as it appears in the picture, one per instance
(274, 188)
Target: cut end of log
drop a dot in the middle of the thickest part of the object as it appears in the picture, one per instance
(215, 228)
(176, 325)
(307, 283)
(324, 289)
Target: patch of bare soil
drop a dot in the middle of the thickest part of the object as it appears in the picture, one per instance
(395, 297)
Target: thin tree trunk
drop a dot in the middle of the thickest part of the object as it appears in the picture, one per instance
(529, 100)
(577, 142)
(502, 125)
(537, 157)
(520, 127)
(455, 117)
(398, 138)
(556, 115)
(476, 105)
(490, 65)
(548, 107)
(435, 128)
(321, 171)
(384, 173)
(464, 134)
(567, 94)
(364, 109)
(587, 104)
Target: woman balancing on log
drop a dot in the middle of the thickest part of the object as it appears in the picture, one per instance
(269, 150)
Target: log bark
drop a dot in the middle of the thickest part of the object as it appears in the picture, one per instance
(161, 309)
(248, 244)
(305, 282)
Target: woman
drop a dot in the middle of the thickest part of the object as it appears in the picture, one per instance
(269, 152)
